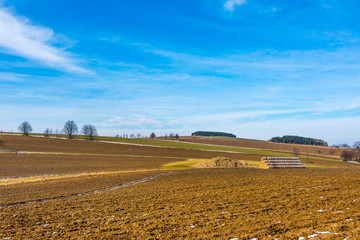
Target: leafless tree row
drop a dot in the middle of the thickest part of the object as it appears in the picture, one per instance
(88, 130)
(152, 135)
(70, 129)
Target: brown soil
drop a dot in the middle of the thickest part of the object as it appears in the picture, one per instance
(30, 191)
(85, 156)
(23, 165)
(242, 203)
(202, 204)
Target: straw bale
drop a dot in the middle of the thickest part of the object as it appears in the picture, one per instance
(280, 162)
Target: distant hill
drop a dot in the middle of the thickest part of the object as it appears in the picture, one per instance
(299, 140)
(264, 145)
(212, 134)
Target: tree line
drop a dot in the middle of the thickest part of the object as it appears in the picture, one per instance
(88, 130)
(299, 140)
(212, 134)
(152, 135)
(70, 129)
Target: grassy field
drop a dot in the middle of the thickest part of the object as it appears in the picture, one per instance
(58, 189)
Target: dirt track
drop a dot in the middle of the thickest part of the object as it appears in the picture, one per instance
(101, 190)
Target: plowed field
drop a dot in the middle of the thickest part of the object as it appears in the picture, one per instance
(45, 156)
(202, 204)
(118, 196)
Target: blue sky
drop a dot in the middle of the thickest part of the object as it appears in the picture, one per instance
(255, 68)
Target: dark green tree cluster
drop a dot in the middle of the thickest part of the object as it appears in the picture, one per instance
(299, 140)
(213, 134)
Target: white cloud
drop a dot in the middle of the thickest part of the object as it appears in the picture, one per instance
(231, 4)
(18, 36)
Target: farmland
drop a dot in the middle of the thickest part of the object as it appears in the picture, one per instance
(259, 144)
(56, 188)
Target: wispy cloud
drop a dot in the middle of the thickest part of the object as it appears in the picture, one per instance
(231, 4)
(137, 121)
(12, 77)
(19, 37)
(293, 63)
(261, 125)
(269, 10)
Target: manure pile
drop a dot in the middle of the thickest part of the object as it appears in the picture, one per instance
(223, 162)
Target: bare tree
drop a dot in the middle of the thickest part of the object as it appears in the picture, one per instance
(348, 155)
(89, 131)
(47, 132)
(357, 144)
(70, 128)
(25, 128)
(357, 148)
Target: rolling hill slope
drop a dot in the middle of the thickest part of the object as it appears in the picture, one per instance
(266, 145)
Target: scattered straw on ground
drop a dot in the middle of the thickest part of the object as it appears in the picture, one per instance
(188, 164)
(223, 162)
